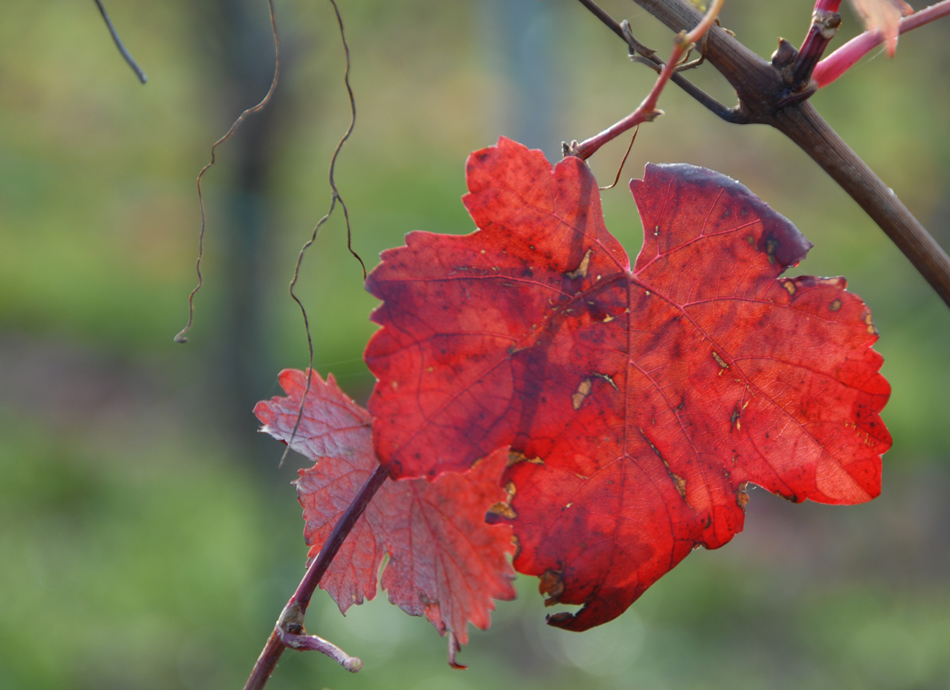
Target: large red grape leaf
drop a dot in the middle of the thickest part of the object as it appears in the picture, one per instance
(642, 399)
(445, 561)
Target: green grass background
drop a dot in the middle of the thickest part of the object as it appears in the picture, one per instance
(148, 539)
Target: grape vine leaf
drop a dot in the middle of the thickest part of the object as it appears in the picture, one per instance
(640, 400)
(445, 561)
(884, 16)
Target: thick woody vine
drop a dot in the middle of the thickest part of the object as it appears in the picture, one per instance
(776, 93)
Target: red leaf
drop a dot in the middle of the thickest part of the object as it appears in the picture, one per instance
(643, 399)
(445, 561)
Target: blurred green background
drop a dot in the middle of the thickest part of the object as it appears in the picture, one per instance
(148, 538)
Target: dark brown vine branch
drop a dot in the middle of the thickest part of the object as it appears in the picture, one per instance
(803, 125)
(180, 338)
(775, 93)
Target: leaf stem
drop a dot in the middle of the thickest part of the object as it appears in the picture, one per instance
(827, 5)
(640, 53)
(845, 57)
(291, 618)
(646, 111)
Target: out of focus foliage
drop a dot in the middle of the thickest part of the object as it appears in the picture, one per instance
(147, 542)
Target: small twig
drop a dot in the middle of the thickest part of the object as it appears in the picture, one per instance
(130, 61)
(845, 57)
(318, 644)
(180, 338)
(291, 618)
(647, 112)
(334, 198)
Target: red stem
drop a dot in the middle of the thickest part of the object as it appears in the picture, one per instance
(847, 55)
(824, 27)
(646, 111)
(293, 614)
(827, 5)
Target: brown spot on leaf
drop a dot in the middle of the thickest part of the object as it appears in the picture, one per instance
(551, 586)
(734, 418)
(583, 390)
(742, 496)
(503, 510)
(771, 246)
(678, 481)
(581, 271)
(514, 457)
(789, 285)
(869, 322)
(719, 360)
(835, 306)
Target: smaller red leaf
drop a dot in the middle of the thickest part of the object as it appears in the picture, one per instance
(445, 561)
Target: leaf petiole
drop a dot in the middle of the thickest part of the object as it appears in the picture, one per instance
(293, 614)
(647, 111)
